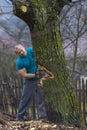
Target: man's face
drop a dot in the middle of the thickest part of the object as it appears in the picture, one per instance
(20, 51)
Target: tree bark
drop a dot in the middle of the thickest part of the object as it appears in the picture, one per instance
(59, 92)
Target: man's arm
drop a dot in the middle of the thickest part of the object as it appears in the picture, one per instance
(24, 74)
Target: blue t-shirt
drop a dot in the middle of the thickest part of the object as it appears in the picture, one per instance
(27, 62)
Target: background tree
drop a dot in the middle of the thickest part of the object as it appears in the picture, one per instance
(73, 26)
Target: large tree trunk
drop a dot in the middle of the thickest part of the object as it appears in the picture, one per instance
(60, 94)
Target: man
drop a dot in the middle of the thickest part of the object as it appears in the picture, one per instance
(27, 68)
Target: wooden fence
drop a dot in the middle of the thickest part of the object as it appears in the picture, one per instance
(9, 99)
(10, 95)
(81, 91)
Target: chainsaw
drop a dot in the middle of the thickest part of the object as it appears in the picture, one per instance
(43, 74)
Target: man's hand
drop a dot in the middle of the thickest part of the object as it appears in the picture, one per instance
(37, 74)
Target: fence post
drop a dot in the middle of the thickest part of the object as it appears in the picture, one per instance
(83, 99)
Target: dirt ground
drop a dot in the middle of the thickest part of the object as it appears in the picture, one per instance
(35, 125)
(6, 123)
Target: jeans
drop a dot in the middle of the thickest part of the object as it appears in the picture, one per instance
(29, 89)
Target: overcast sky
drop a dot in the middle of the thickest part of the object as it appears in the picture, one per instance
(6, 6)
